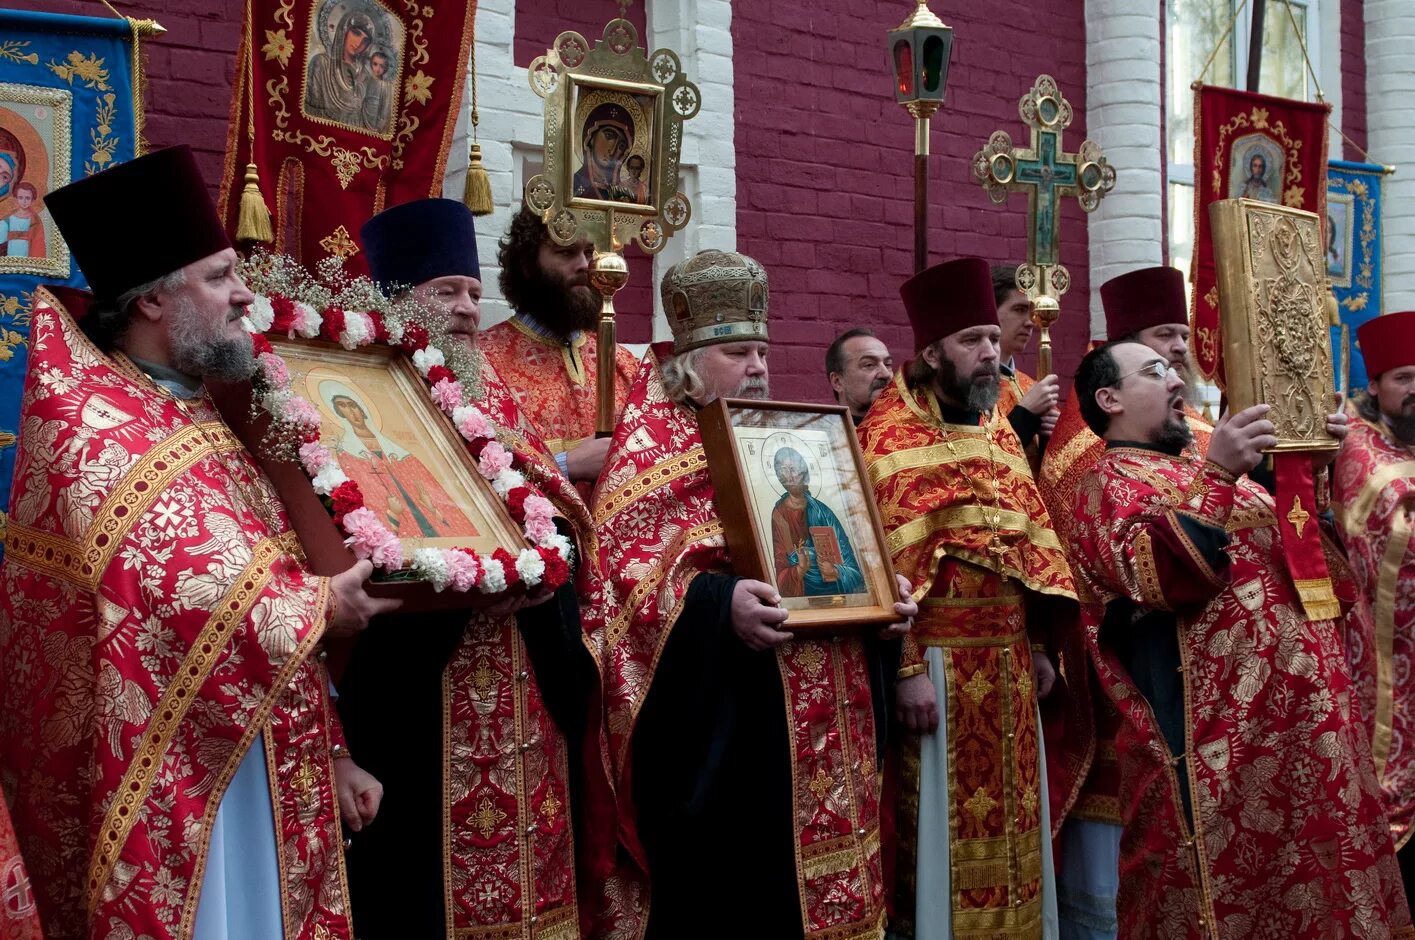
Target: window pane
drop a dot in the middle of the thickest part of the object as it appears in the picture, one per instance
(1284, 72)
(1194, 27)
(1181, 226)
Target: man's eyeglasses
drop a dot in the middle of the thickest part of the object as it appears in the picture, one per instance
(1155, 370)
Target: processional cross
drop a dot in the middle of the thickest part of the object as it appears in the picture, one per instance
(1047, 174)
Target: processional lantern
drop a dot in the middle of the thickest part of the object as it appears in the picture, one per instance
(613, 138)
(1047, 174)
(919, 51)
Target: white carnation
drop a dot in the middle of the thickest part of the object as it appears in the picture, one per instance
(530, 566)
(260, 315)
(428, 357)
(307, 320)
(506, 481)
(274, 401)
(358, 330)
(560, 544)
(493, 579)
(429, 565)
(328, 479)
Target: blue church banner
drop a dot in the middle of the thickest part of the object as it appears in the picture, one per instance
(1354, 251)
(69, 107)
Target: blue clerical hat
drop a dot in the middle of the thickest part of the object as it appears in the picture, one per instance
(413, 243)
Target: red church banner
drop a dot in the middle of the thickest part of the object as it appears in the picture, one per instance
(345, 107)
(1257, 147)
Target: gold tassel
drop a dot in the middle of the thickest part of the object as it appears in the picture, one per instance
(253, 220)
(477, 195)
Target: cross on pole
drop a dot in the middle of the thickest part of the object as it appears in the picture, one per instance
(1047, 174)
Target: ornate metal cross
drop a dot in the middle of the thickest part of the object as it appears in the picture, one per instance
(1047, 173)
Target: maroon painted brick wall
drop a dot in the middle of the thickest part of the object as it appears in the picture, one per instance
(1353, 74)
(825, 165)
(190, 70)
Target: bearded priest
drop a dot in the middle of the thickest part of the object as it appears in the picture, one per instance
(723, 725)
(1375, 493)
(475, 718)
(966, 524)
(167, 719)
(1249, 803)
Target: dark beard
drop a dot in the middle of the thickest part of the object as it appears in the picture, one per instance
(1175, 435)
(558, 307)
(200, 351)
(974, 395)
(1403, 429)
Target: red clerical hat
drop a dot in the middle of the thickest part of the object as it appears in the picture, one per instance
(949, 297)
(163, 195)
(1142, 299)
(1387, 342)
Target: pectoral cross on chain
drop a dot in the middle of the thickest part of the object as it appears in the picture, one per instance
(1047, 174)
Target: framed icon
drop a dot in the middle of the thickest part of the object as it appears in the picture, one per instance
(797, 509)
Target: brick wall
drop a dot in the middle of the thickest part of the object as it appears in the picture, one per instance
(191, 71)
(1353, 74)
(825, 164)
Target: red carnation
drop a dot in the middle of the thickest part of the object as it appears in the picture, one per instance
(310, 436)
(332, 324)
(285, 314)
(438, 373)
(477, 446)
(508, 562)
(380, 329)
(260, 345)
(346, 497)
(516, 502)
(415, 337)
(556, 571)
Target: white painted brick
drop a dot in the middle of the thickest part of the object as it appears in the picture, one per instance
(1390, 80)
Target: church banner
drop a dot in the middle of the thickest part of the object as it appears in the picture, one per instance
(1249, 146)
(1354, 252)
(70, 106)
(345, 107)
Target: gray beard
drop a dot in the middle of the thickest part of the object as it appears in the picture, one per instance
(974, 395)
(201, 351)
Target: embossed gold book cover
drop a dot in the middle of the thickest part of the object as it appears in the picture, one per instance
(1272, 285)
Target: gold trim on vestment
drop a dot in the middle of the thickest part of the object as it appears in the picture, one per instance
(649, 584)
(937, 455)
(570, 355)
(659, 475)
(1391, 563)
(557, 923)
(1360, 507)
(206, 649)
(123, 508)
(972, 642)
(1003, 600)
(1062, 461)
(967, 516)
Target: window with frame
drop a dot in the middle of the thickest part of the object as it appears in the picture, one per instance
(1193, 30)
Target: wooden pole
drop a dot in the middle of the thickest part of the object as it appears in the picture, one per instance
(1255, 44)
(921, 194)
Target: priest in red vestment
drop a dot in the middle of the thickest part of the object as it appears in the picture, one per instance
(745, 756)
(547, 352)
(1149, 306)
(975, 810)
(1246, 788)
(1030, 405)
(168, 730)
(1375, 497)
(475, 718)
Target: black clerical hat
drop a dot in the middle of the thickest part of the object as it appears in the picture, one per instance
(418, 241)
(138, 221)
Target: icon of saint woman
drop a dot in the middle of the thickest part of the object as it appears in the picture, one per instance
(340, 85)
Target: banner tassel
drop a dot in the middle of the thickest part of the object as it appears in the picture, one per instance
(253, 219)
(477, 195)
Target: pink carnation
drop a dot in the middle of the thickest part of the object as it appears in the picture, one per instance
(447, 393)
(365, 531)
(538, 507)
(314, 456)
(463, 570)
(302, 413)
(274, 370)
(474, 425)
(388, 554)
(539, 529)
(494, 459)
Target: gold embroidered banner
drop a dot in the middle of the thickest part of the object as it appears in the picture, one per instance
(345, 107)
